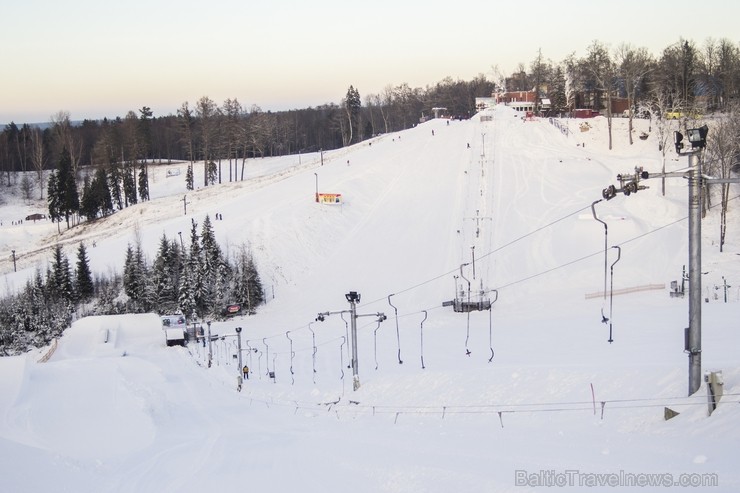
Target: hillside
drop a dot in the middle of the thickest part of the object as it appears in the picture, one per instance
(504, 205)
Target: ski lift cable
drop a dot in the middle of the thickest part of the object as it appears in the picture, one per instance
(533, 276)
(585, 257)
(489, 253)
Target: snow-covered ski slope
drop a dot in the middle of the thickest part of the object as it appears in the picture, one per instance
(504, 205)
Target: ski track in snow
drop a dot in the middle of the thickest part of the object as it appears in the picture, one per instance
(113, 410)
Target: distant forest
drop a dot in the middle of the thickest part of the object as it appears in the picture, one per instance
(685, 75)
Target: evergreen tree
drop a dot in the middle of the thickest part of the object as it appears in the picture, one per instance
(83, 278)
(186, 294)
(135, 279)
(558, 95)
(143, 182)
(145, 132)
(66, 187)
(212, 171)
(53, 199)
(102, 191)
(189, 179)
(247, 287)
(59, 280)
(352, 105)
(195, 267)
(89, 207)
(114, 185)
(165, 276)
(129, 186)
(215, 269)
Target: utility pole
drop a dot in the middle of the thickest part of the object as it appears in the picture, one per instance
(694, 339)
(14, 267)
(353, 297)
(185, 204)
(630, 184)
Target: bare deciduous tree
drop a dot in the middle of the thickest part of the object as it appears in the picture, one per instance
(633, 65)
(722, 153)
(38, 157)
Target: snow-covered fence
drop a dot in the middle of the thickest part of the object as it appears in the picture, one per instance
(560, 126)
(635, 289)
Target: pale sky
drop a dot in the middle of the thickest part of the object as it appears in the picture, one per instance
(102, 58)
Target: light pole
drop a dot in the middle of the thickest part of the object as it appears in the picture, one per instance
(321, 151)
(353, 297)
(317, 186)
(694, 339)
(14, 268)
(181, 243)
(697, 137)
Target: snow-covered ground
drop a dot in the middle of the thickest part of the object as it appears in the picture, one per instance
(502, 207)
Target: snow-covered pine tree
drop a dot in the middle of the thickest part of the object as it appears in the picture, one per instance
(114, 185)
(246, 284)
(102, 192)
(83, 277)
(143, 182)
(189, 179)
(211, 267)
(164, 276)
(59, 281)
(89, 206)
(195, 270)
(136, 279)
(129, 185)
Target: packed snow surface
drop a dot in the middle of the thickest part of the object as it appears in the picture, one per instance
(527, 396)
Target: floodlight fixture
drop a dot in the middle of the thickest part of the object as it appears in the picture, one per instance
(698, 136)
(353, 297)
(677, 140)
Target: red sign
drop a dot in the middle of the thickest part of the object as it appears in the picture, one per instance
(330, 198)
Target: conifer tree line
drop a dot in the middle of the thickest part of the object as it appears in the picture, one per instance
(224, 136)
(197, 280)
